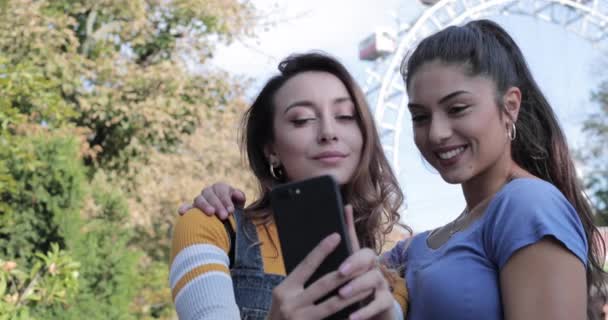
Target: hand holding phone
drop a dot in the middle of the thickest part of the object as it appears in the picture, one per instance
(308, 214)
(292, 300)
(305, 213)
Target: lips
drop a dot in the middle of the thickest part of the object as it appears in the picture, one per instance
(329, 154)
(330, 157)
(449, 155)
(446, 155)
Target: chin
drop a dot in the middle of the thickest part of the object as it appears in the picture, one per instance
(453, 179)
(340, 177)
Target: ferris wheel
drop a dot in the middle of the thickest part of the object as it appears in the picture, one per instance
(386, 49)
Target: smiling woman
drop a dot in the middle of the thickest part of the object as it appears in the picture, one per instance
(456, 126)
(481, 121)
(308, 121)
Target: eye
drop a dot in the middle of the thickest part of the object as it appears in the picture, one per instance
(347, 117)
(419, 118)
(458, 109)
(301, 121)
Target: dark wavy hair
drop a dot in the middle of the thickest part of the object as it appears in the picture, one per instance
(540, 147)
(373, 190)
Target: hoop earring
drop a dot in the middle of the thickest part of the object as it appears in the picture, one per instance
(512, 134)
(272, 173)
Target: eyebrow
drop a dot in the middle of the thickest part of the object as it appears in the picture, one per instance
(307, 103)
(442, 100)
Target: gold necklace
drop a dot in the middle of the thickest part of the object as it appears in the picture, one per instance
(465, 215)
(453, 228)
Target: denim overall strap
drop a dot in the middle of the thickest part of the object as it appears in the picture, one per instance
(252, 287)
(247, 248)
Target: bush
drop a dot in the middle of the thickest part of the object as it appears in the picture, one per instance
(109, 267)
(52, 281)
(44, 194)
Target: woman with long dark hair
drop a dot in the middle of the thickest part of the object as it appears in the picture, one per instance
(525, 246)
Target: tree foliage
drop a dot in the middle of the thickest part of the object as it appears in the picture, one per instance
(52, 280)
(595, 154)
(110, 117)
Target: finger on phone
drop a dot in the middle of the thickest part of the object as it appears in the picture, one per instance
(184, 208)
(350, 225)
(382, 302)
(322, 287)
(313, 260)
(337, 303)
(371, 280)
(358, 263)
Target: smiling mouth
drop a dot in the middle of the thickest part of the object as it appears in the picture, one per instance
(447, 155)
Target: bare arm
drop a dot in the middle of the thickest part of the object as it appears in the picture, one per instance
(544, 281)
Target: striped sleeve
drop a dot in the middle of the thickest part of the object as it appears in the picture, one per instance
(199, 273)
(400, 295)
(398, 287)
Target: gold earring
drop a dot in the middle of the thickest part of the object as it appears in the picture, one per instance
(512, 134)
(272, 173)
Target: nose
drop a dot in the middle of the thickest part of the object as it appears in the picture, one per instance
(439, 129)
(327, 130)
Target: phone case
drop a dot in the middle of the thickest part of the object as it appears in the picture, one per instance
(305, 213)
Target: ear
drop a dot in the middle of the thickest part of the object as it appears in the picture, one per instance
(512, 103)
(271, 156)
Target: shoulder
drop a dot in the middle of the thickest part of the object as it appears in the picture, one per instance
(534, 197)
(525, 189)
(397, 256)
(199, 275)
(527, 210)
(195, 219)
(196, 228)
(195, 222)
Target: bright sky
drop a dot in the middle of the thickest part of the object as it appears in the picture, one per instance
(562, 63)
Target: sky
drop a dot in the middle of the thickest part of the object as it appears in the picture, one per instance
(563, 64)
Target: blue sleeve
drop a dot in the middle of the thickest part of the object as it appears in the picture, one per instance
(524, 212)
(395, 258)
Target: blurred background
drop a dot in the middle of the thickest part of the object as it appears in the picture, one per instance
(113, 113)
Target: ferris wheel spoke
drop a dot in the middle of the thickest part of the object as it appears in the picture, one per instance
(384, 86)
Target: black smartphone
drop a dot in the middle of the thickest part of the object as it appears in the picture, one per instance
(305, 213)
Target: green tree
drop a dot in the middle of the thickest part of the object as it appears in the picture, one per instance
(52, 281)
(99, 101)
(44, 212)
(595, 155)
(44, 198)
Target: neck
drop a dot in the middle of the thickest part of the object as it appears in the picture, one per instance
(483, 186)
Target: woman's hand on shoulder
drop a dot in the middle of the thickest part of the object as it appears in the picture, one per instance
(219, 199)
